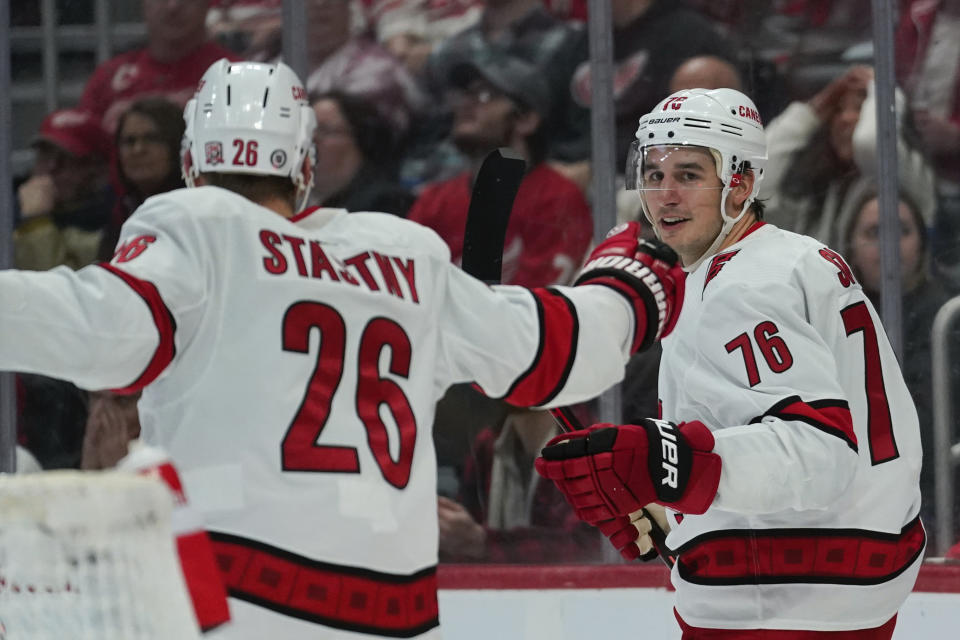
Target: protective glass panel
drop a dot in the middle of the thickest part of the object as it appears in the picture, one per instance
(410, 96)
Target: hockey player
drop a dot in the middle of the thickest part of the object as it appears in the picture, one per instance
(788, 452)
(290, 363)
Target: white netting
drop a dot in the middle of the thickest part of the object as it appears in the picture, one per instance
(89, 555)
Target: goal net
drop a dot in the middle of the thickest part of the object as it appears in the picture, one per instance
(89, 555)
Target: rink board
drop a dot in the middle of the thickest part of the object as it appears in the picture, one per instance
(592, 602)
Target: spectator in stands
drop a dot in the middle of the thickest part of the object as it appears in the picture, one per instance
(148, 159)
(505, 511)
(922, 297)
(574, 10)
(245, 26)
(525, 29)
(342, 58)
(356, 157)
(500, 102)
(50, 421)
(65, 202)
(821, 149)
(177, 53)
(928, 67)
(651, 38)
(411, 29)
(112, 422)
(706, 72)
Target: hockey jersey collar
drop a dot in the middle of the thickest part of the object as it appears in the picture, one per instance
(316, 217)
(756, 225)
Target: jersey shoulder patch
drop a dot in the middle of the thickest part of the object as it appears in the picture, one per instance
(716, 264)
(767, 257)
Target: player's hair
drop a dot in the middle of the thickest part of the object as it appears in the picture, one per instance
(757, 206)
(259, 189)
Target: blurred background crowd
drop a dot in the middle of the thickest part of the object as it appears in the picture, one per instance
(410, 95)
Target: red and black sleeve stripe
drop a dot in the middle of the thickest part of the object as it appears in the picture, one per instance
(830, 416)
(556, 352)
(162, 318)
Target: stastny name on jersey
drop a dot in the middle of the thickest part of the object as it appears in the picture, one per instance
(307, 259)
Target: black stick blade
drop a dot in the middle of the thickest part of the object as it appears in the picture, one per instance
(494, 191)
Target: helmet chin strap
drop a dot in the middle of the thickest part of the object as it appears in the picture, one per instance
(303, 195)
(725, 229)
(304, 182)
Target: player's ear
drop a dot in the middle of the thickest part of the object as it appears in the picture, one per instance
(527, 122)
(741, 189)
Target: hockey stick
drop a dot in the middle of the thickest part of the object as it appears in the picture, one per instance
(491, 201)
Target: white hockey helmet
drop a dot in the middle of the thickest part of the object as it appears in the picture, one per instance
(726, 122)
(252, 118)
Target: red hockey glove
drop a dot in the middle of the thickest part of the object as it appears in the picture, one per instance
(607, 471)
(630, 535)
(646, 272)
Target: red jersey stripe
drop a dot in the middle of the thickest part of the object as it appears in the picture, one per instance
(830, 416)
(828, 556)
(303, 214)
(559, 329)
(336, 596)
(162, 318)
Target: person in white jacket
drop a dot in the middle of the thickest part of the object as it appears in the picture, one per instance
(822, 150)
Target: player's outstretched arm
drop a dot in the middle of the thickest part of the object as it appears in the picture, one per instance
(86, 326)
(646, 272)
(608, 471)
(562, 345)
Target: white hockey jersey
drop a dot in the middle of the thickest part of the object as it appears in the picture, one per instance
(291, 368)
(815, 524)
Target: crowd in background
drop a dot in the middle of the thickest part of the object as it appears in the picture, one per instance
(410, 95)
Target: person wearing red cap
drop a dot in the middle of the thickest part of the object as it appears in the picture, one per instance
(65, 202)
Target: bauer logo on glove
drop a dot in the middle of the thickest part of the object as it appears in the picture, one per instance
(669, 458)
(646, 273)
(607, 471)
